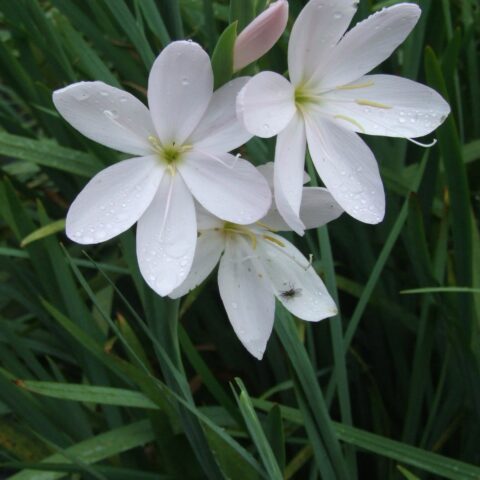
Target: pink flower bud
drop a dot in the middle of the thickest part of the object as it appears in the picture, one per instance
(260, 35)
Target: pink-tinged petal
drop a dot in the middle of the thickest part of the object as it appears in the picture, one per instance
(386, 105)
(288, 172)
(318, 208)
(220, 130)
(259, 36)
(266, 104)
(107, 115)
(228, 187)
(294, 280)
(180, 86)
(316, 31)
(113, 200)
(348, 169)
(247, 295)
(367, 45)
(210, 245)
(166, 236)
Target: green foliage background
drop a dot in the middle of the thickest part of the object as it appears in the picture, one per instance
(102, 379)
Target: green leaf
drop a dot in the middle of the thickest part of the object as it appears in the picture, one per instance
(93, 450)
(222, 57)
(89, 394)
(257, 434)
(48, 154)
(45, 231)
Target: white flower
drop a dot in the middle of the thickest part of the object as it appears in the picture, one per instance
(180, 150)
(260, 35)
(258, 265)
(330, 99)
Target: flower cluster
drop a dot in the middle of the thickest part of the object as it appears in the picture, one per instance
(198, 205)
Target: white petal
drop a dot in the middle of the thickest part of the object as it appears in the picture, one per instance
(113, 200)
(166, 236)
(246, 295)
(180, 86)
(318, 208)
(294, 281)
(229, 187)
(220, 130)
(207, 221)
(266, 104)
(368, 44)
(387, 105)
(210, 245)
(288, 172)
(267, 171)
(107, 115)
(348, 169)
(316, 31)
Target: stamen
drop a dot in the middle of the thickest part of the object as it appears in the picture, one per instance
(155, 142)
(310, 261)
(351, 120)
(266, 227)
(241, 230)
(424, 145)
(370, 103)
(273, 240)
(355, 87)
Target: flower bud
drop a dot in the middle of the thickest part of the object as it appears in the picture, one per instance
(260, 35)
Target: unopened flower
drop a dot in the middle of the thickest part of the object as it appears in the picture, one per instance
(259, 36)
(180, 154)
(329, 99)
(258, 265)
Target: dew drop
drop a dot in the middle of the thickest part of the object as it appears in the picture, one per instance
(111, 114)
(337, 15)
(104, 94)
(235, 306)
(185, 81)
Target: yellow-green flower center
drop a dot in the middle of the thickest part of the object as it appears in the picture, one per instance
(304, 97)
(170, 153)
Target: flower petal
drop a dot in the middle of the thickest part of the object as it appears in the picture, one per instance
(288, 172)
(294, 281)
(246, 295)
(113, 200)
(318, 208)
(260, 35)
(387, 105)
(229, 187)
(166, 236)
(317, 29)
(210, 245)
(348, 169)
(205, 220)
(266, 104)
(368, 44)
(267, 171)
(220, 130)
(180, 86)
(107, 115)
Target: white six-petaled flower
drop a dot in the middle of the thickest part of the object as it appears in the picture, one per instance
(180, 148)
(258, 265)
(330, 99)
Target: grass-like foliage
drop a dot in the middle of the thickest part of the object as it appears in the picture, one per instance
(100, 378)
